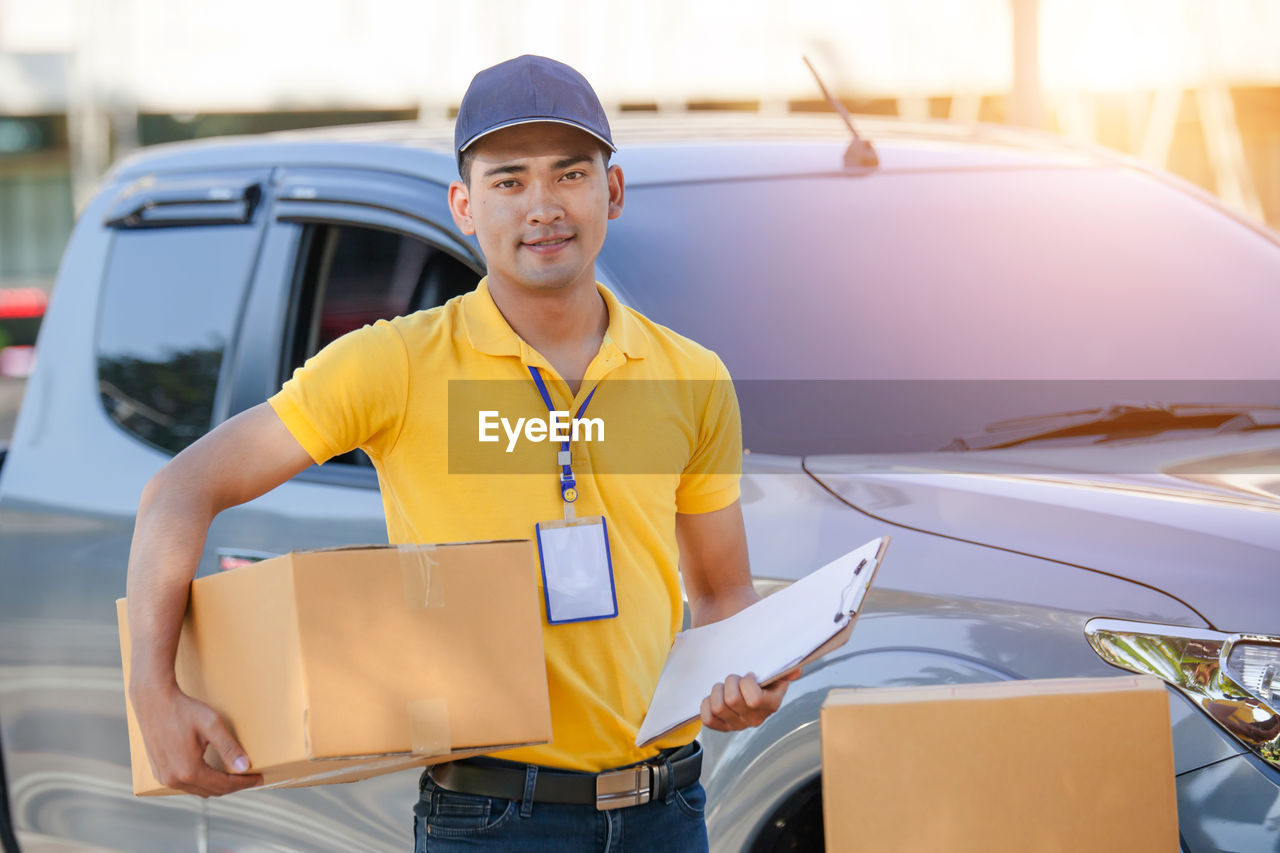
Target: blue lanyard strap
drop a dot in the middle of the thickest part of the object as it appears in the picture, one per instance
(568, 485)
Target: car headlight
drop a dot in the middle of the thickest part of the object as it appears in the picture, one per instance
(1234, 678)
(1256, 667)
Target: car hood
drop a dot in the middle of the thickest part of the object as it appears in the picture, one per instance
(1197, 519)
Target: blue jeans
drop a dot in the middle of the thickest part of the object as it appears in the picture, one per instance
(445, 821)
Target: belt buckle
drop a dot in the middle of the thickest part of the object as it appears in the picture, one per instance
(631, 786)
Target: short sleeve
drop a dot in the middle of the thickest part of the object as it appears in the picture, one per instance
(711, 480)
(350, 394)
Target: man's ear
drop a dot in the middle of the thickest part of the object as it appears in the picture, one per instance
(617, 191)
(460, 207)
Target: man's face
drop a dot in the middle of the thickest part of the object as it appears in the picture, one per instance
(539, 201)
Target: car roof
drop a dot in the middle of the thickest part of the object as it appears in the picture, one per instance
(653, 148)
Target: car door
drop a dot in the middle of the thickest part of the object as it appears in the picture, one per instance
(343, 248)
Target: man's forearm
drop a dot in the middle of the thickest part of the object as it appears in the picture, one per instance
(244, 457)
(168, 539)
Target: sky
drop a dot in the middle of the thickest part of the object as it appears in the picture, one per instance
(175, 55)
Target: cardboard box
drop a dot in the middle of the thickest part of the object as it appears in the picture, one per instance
(340, 664)
(1050, 765)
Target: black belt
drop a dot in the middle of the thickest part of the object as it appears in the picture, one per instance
(612, 789)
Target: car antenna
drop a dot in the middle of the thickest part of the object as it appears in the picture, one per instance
(859, 154)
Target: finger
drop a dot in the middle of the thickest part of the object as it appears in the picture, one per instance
(710, 720)
(733, 698)
(217, 784)
(730, 717)
(760, 701)
(720, 709)
(186, 778)
(774, 693)
(789, 675)
(752, 693)
(743, 696)
(215, 731)
(717, 700)
(240, 781)
(200, 779)
(720, 724)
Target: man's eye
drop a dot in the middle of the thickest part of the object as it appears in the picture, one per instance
(507, 184)
(575, 174)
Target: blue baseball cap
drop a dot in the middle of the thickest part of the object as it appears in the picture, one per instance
(528, 89)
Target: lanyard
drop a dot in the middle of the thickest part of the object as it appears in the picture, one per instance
(568, 485)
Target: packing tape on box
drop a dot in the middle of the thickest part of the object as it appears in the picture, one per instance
(429, 727)
(418, 573)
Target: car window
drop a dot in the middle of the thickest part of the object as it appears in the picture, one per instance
(352, 275)
(170, 303)
(844, 285)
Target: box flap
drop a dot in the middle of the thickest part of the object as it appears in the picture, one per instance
(384, 546)
(991, 690)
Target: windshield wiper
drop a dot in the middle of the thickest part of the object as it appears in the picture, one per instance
(1121, 420)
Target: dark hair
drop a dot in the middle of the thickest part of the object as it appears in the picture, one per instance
(464, 162)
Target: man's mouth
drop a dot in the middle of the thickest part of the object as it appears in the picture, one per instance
(549, 244)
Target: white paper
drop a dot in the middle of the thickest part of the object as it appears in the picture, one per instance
(768, 638)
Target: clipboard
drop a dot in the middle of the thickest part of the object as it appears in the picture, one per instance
(793, 627)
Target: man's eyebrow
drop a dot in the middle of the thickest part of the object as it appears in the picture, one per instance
(516, 169)
(510, 169)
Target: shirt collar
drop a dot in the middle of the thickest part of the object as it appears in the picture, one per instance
(489, 332)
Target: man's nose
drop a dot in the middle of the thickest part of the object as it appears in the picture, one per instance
(544, 204)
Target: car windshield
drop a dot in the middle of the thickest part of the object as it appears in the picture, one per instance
(897, 311)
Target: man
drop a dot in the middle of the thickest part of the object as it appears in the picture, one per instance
(537, 192)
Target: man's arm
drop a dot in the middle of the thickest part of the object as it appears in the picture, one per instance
(246, 456)
(717, 580)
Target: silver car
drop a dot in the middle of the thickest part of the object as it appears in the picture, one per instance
(1051, 374)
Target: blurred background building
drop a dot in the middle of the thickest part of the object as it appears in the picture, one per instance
(1188, 85)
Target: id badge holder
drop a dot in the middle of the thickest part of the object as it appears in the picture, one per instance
(577, 571)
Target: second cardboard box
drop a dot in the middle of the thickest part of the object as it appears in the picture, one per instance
(1052, 764)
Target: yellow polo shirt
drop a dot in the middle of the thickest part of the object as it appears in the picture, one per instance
(407, 390)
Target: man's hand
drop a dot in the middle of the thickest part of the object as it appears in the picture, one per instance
(177, 730)
(740, 702)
